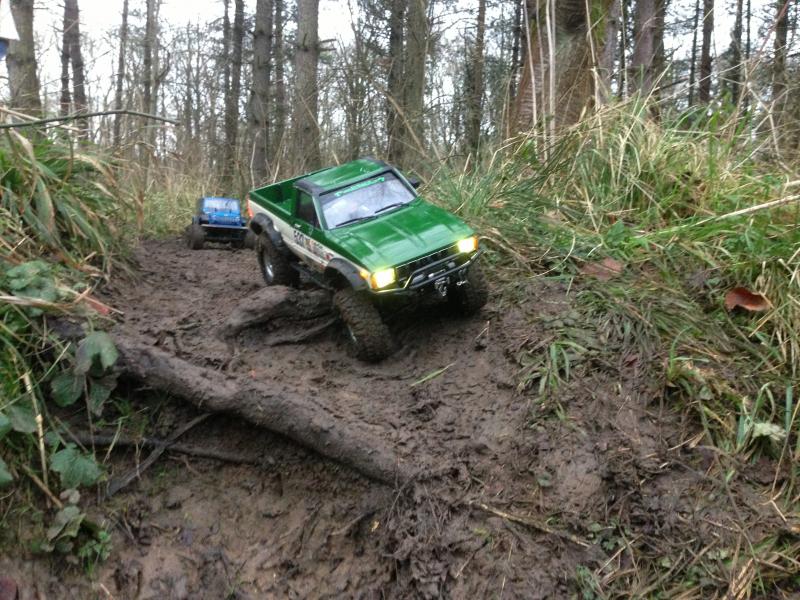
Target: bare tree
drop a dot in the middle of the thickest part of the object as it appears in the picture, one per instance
(704, 84)
(417, 46)
(232, 93)
(65, 100)
(558, 75)
(779, 61)
(280, 84)
(305, 114)
(260, 101)
(394, 82)
(475, 82)
(22, 76)
(72, 40)
(123, 46)
(646, 65)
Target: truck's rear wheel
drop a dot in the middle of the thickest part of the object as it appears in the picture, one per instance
(469, 298)
(368, 338)
(196, 236)
(275, 266)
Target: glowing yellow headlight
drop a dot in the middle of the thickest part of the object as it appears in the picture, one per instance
(469, 244)
(381, 279)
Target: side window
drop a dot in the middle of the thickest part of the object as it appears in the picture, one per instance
(305, 209)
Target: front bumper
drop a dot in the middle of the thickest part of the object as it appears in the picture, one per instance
(434, 276)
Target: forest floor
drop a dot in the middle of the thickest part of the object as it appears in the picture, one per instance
(527, 500)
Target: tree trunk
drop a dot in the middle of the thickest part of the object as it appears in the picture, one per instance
(280, 86)
(416, 54)
(735, 77)
(558, 82)
(260, 101)
(610, 48)
(23, 78)
(232, 94)
(515, 50)
(648, 47)
(306, 109)
(72, 35)
(65, 100)
(147, 60)
(394, 83)
(475, 91)
(779, 62)
(123, 45)
(704, 85)
(693, 58)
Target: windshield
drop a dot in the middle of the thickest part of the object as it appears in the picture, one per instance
(364, 199)
(220, 205)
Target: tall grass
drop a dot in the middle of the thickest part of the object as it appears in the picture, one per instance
(687, 210)
(665, 202)
(63, 229)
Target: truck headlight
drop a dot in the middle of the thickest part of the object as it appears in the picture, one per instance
(467, 245)
(381, 279)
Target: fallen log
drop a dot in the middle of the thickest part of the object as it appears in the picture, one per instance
(282, 411)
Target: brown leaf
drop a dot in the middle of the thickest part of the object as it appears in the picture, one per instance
(744, 298)
(603, 270)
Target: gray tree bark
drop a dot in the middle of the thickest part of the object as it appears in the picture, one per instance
(306, 106)
(704, 85)
(72, 37)
(417, 46)
(475, 80)
(260, 101)
(22, 70)
(123, 46)
(65, 100)
(232, 93)
(279, 129)
(648, 47)
(394, 83)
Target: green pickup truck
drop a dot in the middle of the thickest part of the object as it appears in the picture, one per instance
(361, 230)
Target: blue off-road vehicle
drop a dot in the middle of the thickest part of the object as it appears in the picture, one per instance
(219, 220)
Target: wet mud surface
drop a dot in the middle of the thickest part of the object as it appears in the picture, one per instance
(512, 503)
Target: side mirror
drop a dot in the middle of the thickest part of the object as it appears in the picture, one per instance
(414, 181)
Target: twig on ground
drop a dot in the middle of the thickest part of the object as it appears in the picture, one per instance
(40, 484)
(122, 482)
(191, 450)
(533, 523)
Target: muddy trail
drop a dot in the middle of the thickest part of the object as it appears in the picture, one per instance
(513, 500)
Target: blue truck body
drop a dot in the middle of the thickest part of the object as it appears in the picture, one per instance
(218, 219)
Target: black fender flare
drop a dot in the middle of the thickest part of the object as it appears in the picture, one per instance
(263, 224)
(341, 267)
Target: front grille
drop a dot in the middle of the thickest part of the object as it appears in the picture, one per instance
(406, 270)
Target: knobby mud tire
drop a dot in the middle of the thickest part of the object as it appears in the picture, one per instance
(368, 338)
(275, 266)
(250, 240)
(195, 236)
(468, 299)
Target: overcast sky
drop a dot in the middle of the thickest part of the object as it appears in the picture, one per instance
(99, 18)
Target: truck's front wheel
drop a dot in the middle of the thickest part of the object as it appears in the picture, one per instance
(275, 267)
(368, 337)
(469, 298)
(195, 236)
